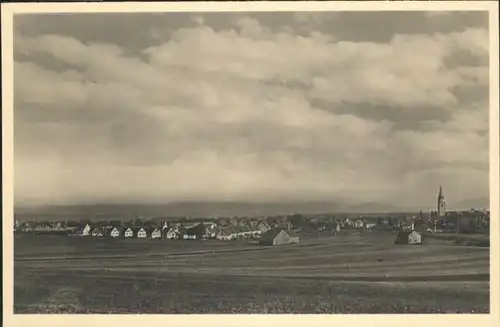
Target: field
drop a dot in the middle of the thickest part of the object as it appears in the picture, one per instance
(354, 272)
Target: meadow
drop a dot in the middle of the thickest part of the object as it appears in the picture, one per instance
(353, 272)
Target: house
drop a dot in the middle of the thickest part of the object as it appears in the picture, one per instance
(408, 237)
(96, 232)
(336, 229)
(129, 232)
(26, 228)
(115, 232)
(243, 231)
(370, 225)
(86, 230)
(263, 227)
(253, 224)
(58, 227)
(172, 234)
(212, 231)
(197, 232)
(420, 225)
(407, 225)
(142, 233)
(227, 234)
(359, 224)
(156, 234)
(16, 225)
(278, 236)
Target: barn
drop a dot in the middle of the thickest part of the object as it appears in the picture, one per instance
(278, 236)
(409, 237)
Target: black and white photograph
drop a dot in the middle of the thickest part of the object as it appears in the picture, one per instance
(253, 162)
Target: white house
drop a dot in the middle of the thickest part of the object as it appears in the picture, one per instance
(141, 233)
(227, 234)
(172, 234)
(86, 230)
(409, 237)
(358, 224)
(156, 234)
(129, 232)
(115, 232)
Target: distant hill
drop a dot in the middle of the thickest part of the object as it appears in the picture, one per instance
(192, 209)
(372, 207)
(476, 203)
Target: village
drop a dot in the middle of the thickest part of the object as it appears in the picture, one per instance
(145, 255)
(269, 230)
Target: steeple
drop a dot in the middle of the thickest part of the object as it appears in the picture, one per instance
(441, 205)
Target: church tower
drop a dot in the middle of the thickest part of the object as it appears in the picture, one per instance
(441, 203)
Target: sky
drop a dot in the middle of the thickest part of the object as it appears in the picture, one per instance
(376, 107)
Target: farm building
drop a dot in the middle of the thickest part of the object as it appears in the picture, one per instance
(129, 232)
(97, 232)
(407, 237)
(142, 233)
(115, 232)
(278, 236)
(156, 234)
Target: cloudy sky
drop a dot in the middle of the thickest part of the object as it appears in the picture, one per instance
(362, 106)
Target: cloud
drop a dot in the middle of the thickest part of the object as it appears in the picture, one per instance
(231, 114)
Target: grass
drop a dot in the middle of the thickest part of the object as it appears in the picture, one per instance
(354, 272)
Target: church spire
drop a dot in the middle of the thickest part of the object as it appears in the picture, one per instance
(440, 202)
